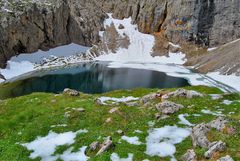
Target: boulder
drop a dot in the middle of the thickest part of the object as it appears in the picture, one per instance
(168, 107)
(226, 158)
(199, 137)
(182, 93)
(71, 92)
(190, 155)
(145, 99)
(219, 123)
(106, 145)
(132, 104)
(217, 146)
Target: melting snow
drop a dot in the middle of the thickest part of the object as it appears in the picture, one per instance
(25, 63)
(151, 123)
(115, 157)
(138, 131)
(131, 140)
(183, 120)
(44, 147)
(227, 102)
(68, 155)
(140, 47)
(217, 113)
(117, 100)
(230, 80)
(161, 141)
(211, 49)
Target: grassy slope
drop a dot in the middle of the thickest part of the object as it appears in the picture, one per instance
(33, 115)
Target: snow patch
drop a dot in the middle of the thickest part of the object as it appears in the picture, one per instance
(132, 140)
(227, 102)
(103, 100)
(68, 155)
(44, 147)
(230, 80)
(161, 141)
(211, 49)
(115, 157)
(217, 113)
(138, 131)
(140, 47)
(25, 63)
(183, 120)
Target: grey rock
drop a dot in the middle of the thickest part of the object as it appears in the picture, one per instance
(190, 155)
(94, 146)
(145, 99)
(120, 132)
(80, 109)
(132, 104)
(182, 93)
(226, 158)
(168, 107)
(219, 123)
(121, 27)
(217, 146)
(199, 137)
(106, 145)
(71, 92)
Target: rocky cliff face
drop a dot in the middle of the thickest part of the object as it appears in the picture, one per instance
(205, 22)
(45, 26)
(201, 22)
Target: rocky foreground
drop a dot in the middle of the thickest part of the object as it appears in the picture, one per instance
(195, 123)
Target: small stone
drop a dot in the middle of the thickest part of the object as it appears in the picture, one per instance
(94, 146)
(168, 107)
(71, 92)
(217, 146)
(120, 132)
(121, 27)
(53, 101)
(113, 110)
(190, 155)
(106, 145)
(226, 158)
(108, 120)
(80, 109)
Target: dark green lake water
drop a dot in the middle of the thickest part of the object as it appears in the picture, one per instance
(93, 78)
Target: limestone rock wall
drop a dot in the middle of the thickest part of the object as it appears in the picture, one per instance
(203, 22)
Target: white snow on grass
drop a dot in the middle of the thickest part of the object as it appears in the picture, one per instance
(60, 125)
(25, 63)
(227, 102)
(140, 47)
(151, 123)
(115, 157)
(183, 120)
(131, 140)
(230, 80)
(138, 131)
(161, 141)
(44, 147)
(216, 113)
(68, 155)
(103, 100)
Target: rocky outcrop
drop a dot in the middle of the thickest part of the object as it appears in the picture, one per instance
(205, 22)
(168, 107)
